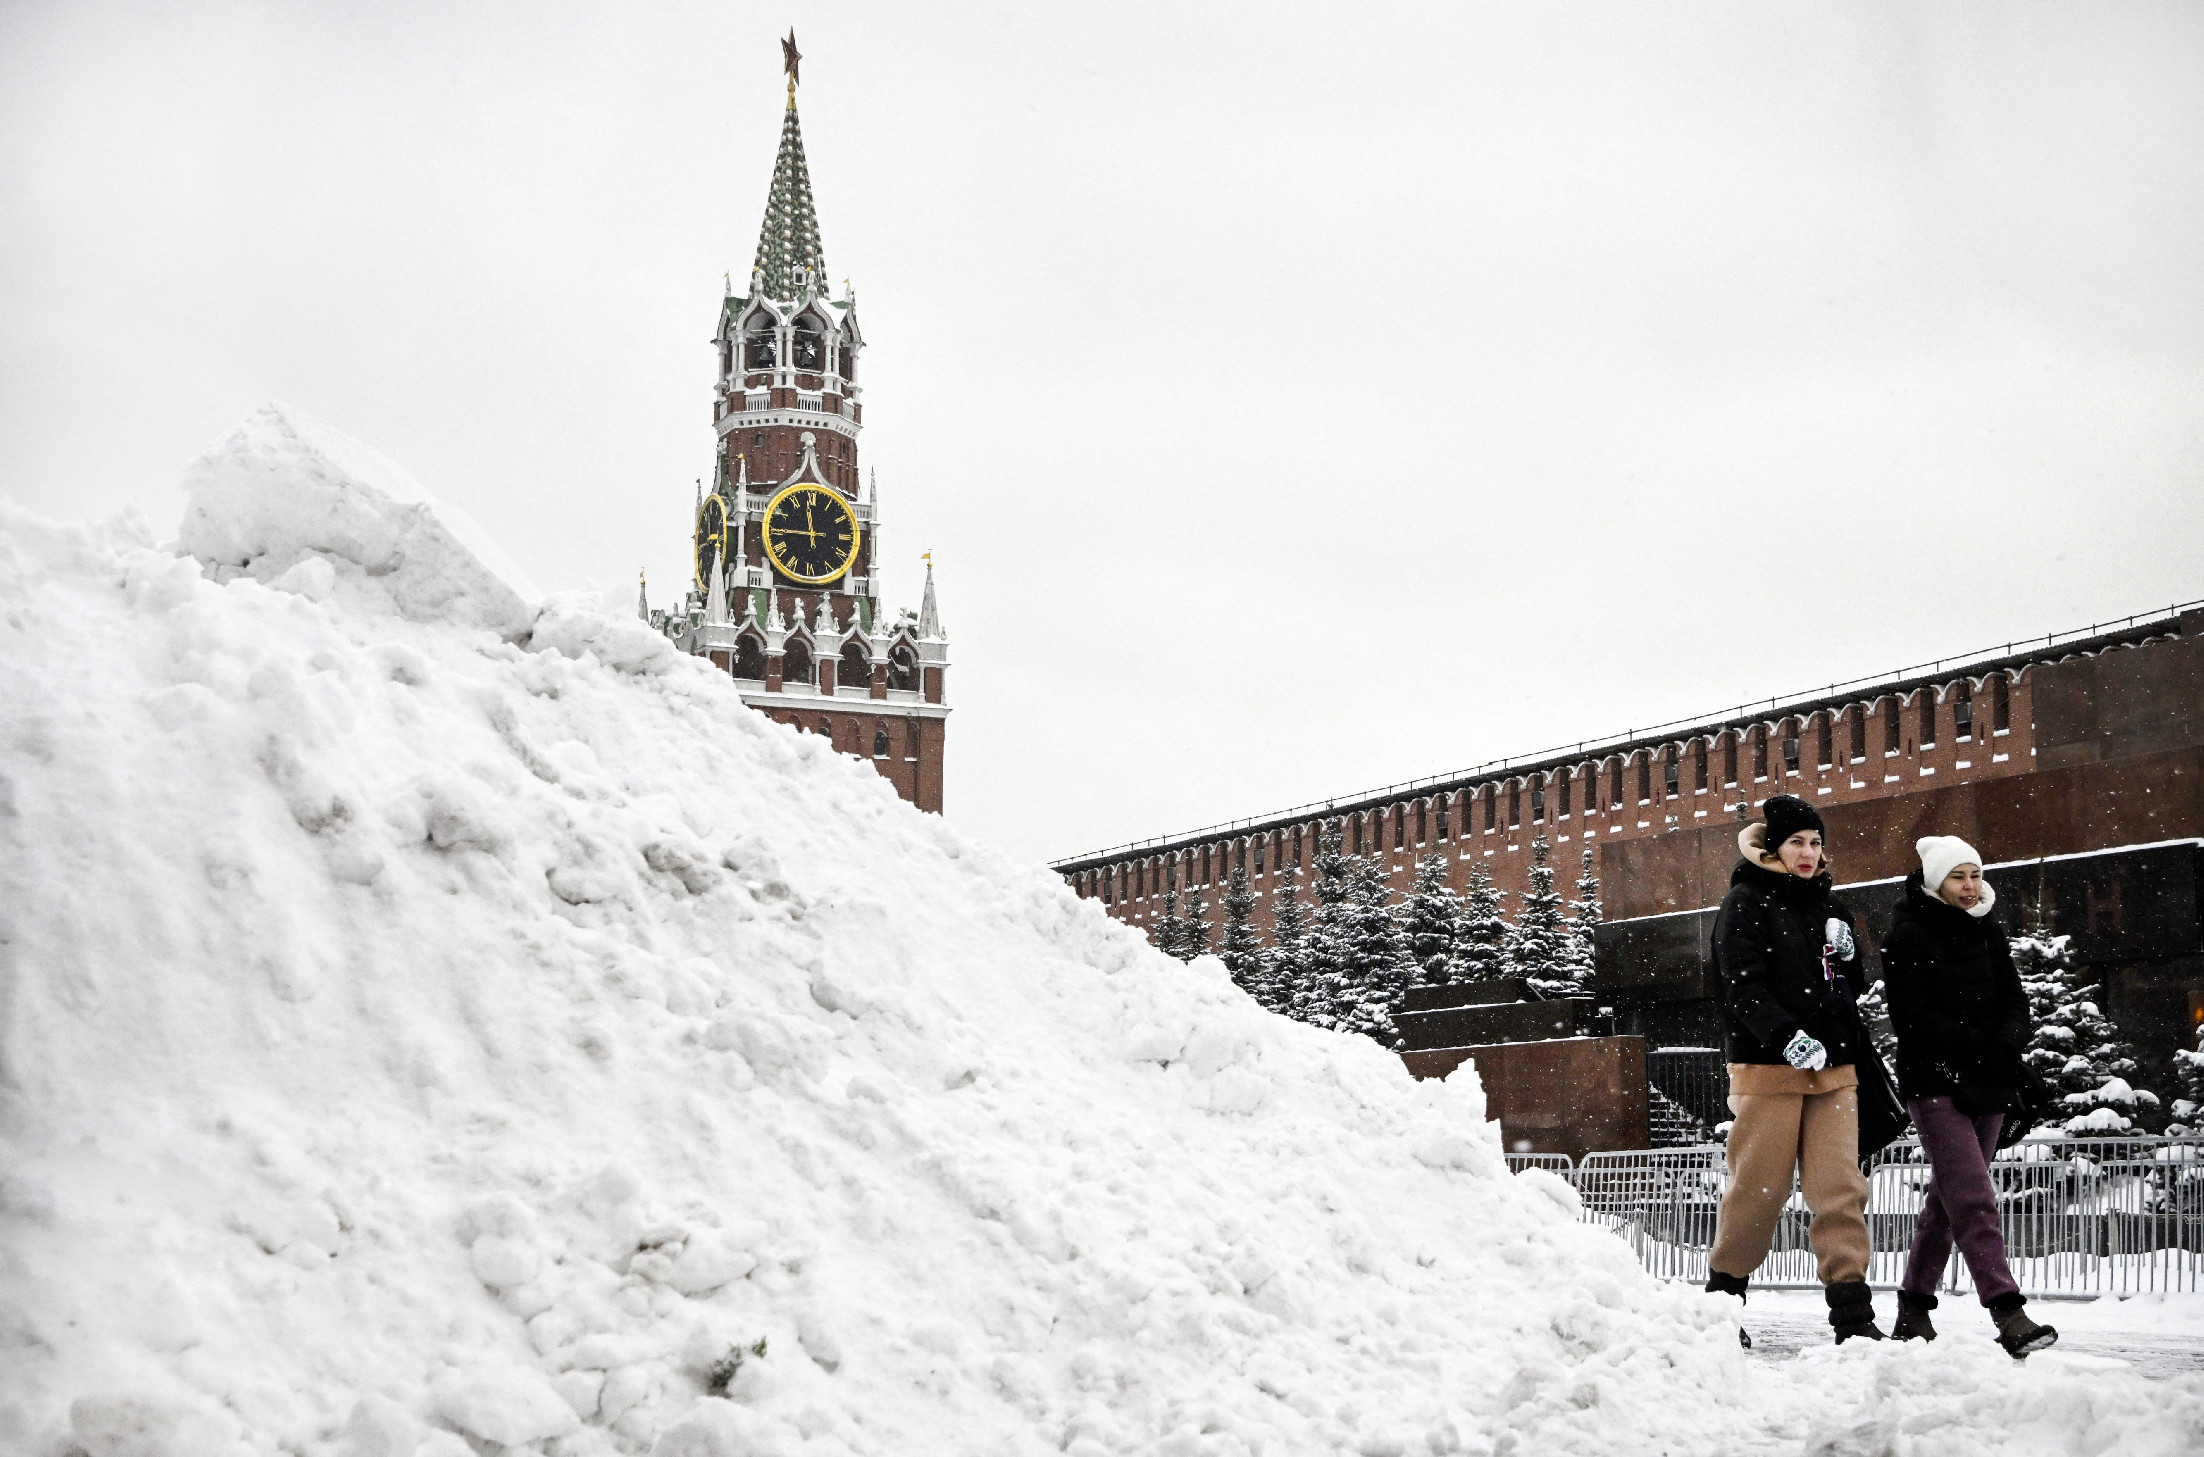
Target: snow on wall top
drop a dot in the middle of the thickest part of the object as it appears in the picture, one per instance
(414, 1045)
(283, 487)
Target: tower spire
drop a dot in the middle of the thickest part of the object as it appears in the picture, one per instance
(929, 616)
(788, 242)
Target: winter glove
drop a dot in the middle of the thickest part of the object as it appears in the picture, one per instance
(1806, 1052)
(1840, 938)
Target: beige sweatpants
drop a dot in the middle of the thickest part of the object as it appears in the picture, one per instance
(1817, 1136)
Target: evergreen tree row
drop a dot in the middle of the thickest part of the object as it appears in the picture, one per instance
(1343, 957)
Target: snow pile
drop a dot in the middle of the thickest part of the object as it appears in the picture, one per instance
(432, 1024)
(295, 503)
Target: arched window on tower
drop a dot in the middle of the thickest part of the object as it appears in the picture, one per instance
(902, 668)
(809, 350)
(849, 356)
(856, 669)
(796, 662)
(750, 657)
(760, 347)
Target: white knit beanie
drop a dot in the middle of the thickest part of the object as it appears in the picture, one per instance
(1940, 856)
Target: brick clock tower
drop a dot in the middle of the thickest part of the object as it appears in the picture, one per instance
(787, 542)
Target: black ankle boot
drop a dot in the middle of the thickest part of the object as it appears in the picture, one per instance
(1721, 1284)
(2016, 1332)
(1852, 1311)
(1913, 1318)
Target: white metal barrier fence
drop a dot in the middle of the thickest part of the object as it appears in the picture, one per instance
(2081, 1216)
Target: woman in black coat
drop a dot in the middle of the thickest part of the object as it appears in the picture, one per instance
(1787, 969)
(1962, 1022)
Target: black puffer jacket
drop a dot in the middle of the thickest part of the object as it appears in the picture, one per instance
(1955, 1000)
(1776, 971)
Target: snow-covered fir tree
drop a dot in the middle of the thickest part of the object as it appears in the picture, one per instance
(1371, 955)
(1194, 929)
(1481, 953)
(2076, 1049)
(1538, 943)
(1285, 959)
(1241, 952)
(1431, 919)
(1168, 932)
(2188, 1072)
(1317, 999)
(1582, 946)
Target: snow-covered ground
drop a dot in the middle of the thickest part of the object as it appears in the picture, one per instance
(2159, 1335)
(435, 1019)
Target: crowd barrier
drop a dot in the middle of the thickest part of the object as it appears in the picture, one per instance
(2082, 1216)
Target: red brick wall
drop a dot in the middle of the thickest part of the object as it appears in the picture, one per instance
(2100, 750)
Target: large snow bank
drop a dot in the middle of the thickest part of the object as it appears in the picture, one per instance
(426, 1034)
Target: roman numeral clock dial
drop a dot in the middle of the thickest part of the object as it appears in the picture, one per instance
(810, 534)
(711, 540)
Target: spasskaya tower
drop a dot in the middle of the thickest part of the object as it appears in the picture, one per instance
(786, 545)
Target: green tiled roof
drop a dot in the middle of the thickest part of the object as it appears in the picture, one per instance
(788, 243)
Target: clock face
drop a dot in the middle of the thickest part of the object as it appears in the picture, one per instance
(711, 540)
(810, 534)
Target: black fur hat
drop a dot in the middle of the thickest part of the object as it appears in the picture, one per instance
(1786, 815)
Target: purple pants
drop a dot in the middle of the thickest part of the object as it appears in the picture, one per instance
(1960, 1206)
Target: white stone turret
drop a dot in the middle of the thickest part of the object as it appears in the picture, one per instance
(715, 600)
(929, 615)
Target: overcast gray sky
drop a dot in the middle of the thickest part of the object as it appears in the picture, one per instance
(1296, 398)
